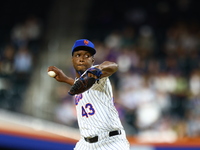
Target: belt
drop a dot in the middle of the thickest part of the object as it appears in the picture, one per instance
(95, 139)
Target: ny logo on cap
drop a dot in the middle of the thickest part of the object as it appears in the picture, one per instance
(86, 42)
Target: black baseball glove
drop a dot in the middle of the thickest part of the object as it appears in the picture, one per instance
(85, 82)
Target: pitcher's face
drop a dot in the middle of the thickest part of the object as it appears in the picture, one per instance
(82, 60)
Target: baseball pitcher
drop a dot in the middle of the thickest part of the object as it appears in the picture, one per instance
(98, 119)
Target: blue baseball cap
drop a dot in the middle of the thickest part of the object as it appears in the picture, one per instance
(84, 44)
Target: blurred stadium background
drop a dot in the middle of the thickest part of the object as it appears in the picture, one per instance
(157, 88)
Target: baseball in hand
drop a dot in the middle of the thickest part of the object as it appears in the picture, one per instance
(52, 74)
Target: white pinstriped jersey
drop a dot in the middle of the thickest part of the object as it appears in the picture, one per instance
(96, 112)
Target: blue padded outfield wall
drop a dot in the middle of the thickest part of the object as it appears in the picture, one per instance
(22, 143)
(12, 142)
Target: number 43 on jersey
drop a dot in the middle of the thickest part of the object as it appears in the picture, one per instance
(87, 110)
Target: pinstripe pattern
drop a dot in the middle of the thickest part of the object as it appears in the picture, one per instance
(97, 115)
